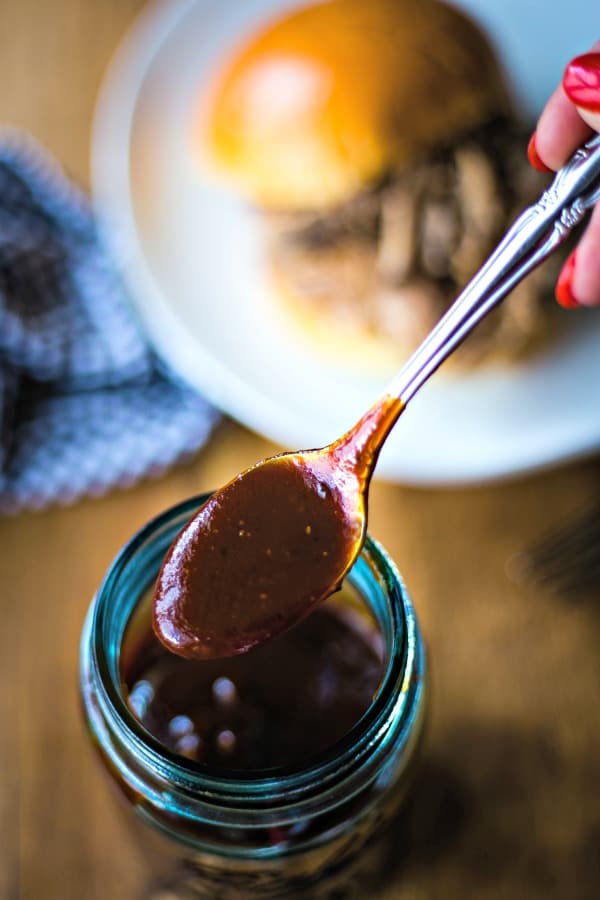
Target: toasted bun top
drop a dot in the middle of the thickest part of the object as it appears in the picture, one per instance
(326, 100)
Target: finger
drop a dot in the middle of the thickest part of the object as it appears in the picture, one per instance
(562, 127)
(581, 84)
(560, 131)
(586, 277)
(579, 281)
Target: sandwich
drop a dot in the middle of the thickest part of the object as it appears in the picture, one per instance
(379, 145)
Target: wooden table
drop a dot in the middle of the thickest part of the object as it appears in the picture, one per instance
(509, 803)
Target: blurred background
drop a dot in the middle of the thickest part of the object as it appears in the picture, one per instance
(488, 501)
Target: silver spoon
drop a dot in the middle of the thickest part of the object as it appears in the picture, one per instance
(281, 536)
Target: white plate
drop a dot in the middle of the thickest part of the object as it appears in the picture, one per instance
(191, 258)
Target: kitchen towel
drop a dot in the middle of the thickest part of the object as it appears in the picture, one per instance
(85, 405)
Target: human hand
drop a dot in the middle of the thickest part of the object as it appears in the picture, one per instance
(570, 117)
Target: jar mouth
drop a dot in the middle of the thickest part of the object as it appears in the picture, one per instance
(379, 584)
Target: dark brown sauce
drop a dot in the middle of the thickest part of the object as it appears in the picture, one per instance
(280, 705)
(270, 545)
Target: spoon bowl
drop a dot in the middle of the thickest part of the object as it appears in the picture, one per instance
(268, 546)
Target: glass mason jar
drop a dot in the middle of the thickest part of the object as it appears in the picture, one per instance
(265, 833)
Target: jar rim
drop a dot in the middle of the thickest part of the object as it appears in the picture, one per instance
(357, 748)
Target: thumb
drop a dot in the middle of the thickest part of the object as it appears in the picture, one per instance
(581, 84)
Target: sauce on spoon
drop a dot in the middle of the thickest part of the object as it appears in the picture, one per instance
(270, 545)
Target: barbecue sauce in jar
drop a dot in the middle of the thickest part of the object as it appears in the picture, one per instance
(281, 704)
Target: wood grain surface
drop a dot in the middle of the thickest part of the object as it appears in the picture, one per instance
(508, 803)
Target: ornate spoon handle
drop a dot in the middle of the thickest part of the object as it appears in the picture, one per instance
(538, 231)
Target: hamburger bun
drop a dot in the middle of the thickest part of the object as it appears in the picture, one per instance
(332, 96)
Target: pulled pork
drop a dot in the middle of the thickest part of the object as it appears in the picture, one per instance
(391, 260)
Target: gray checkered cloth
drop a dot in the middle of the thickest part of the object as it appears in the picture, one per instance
(84, 404)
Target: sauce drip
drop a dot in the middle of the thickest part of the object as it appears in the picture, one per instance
(270, 545)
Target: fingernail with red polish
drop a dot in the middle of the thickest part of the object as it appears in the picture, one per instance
(533, 156)
(564, 291)
(581, 81)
